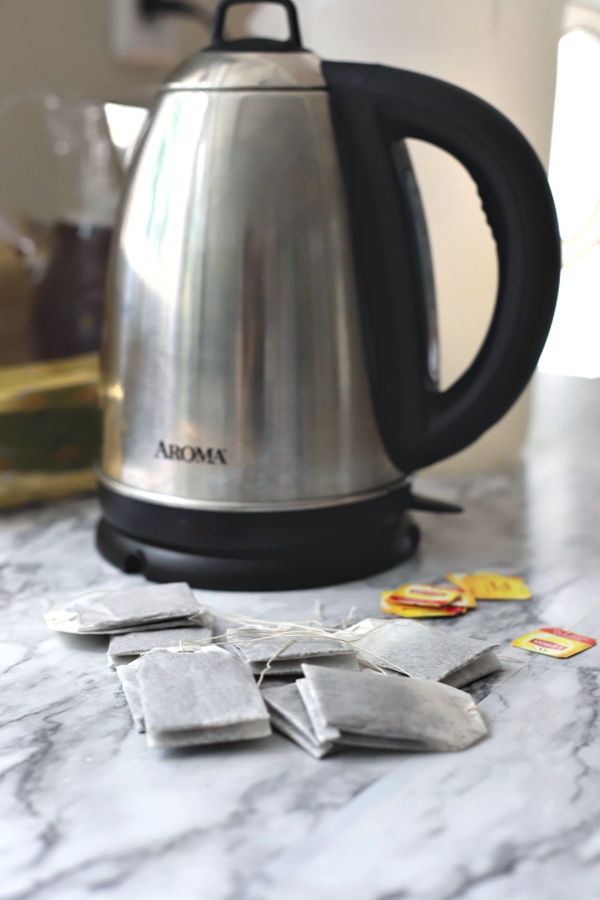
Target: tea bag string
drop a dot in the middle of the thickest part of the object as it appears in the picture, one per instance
(284, 629)
(270, 661)
(273, 658)
(294, 631)
(269, 624)
(241, 619)
(221, 640)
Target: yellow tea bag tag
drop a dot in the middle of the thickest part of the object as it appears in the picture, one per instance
(429, 595)
(466, 600)
(555, 642)
(397, 608)
(467, 597)
(492, 586)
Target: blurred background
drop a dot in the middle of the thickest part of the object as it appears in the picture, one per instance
(76, 79)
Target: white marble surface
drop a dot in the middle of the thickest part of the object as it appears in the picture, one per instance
(87, 810)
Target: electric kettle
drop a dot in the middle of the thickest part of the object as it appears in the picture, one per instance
(270, 356)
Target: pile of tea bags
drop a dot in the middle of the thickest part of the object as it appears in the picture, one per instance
(329, 709)
(179, 699)
(379, 683)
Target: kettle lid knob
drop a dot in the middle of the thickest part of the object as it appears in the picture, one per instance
(218, 42)
(250, 63)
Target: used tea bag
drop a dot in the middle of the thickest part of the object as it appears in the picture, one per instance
(288, 715)
(410, 648)
(114, 612)
(131, 689)
(278, 667)
(206, 697)
(366, 709)
(122, 648)
(480, 668)
(259, 645)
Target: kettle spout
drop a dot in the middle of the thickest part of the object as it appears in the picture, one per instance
(125, 125)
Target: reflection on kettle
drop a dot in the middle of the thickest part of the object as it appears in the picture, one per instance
(269, 368)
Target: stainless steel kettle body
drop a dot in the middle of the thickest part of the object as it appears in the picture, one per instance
(248, 439)
(235, 377)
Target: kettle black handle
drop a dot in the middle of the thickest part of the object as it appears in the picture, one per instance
(373, 107)
(221, 11)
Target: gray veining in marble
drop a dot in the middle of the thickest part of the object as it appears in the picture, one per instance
(87, 810)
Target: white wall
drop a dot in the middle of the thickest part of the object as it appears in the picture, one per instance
(63, 45)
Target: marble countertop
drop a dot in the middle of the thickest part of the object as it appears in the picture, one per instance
(87, 810)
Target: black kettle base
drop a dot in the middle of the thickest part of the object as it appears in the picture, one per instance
(219, 573)
(306, 551)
